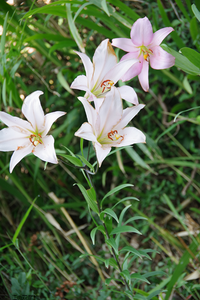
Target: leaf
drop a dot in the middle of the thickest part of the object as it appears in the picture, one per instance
(86, 162)
(74, 160)
(110, 212)
(111, 242)
(196, 12)
(116, 189)
(122, 214)
(192, 55)
(3, 37)
(125, 199)
(126, 275)
(64, 44)
(73, 28)
(23, 221)
(132, 250)
(133, 154)
(111, 262)
(139, 277)
(93, 232)
(123, 229)
(134, 218)
(90, 201)
(64, 83)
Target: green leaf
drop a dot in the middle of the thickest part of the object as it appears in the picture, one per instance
(196, 12)
(74, 160)
(182, 8)
(48, 37)
(126, 275)
(125, 199)
(122, 214)
(3, 37)
(84, 160)
(73, 28)
(111, 242)
(93, 232)
(133, 154)
(23, 221)
(64, 83)
(111, 262)
(134, 218)
(64, 44)
(123, 229)
(110, 212)
(132, 250)
(192, 55)
(139, 277)
(90, 201)
(6, 246)
(116, 189)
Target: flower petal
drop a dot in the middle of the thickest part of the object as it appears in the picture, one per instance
(80, 83)
(110, 112)
(127, 93)
(120, 69)
(141, 32)
(128, 114)
(15, 122)
(18, 155)
(46, 151)
(160, 35)
(144, 76)
(135, 69)
(49, 119)
(89, 110)
(124, 44)
(101, 152)
(160, 59)
(87, 65)
(131, 136)
(10, 140)
(86, 132)
(33, 111)
(104, 60)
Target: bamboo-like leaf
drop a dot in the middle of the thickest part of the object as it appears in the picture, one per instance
(64, 83)
(116, 189)
(91, 202)
(132, 250)
(94, 230)
(111, 242)
(123, 229)
(196, 12)
(109, 212)
(192, 55)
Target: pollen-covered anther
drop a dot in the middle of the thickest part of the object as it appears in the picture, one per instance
(114, 136)
(35, 139)
(106, 84)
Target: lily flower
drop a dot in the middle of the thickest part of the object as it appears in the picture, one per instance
(102, 74)
(144, 45)
(106, 127)
(25, 137)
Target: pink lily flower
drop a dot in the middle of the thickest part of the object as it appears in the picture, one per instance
(144, 45)
(106, 127)
(25, 137)
(102, 74)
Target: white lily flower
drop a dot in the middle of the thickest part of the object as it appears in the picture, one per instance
(24, 137)
(106, 127)
(102, 74)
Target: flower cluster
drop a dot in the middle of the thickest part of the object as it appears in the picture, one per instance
(106, 119)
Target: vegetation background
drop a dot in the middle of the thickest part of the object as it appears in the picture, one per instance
(43, 256)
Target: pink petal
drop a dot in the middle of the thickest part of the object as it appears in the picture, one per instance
(104, 60)
(144, 76)
(101, 152)
(18, 155)
(89, 110)
(49, 119)
(160, 59)
(135, 69)
(10, 140)
(33, 111)
(87, 65)
(160, 35)
(128, 114)
(127, 93)
(110, 112)
(124, 44)
(19, 124)
(132, 135)
(46, 151)
(86, 132)
(120, 69)
(141, 32)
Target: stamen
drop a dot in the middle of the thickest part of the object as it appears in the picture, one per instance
(106, 84)
(114, 136)
(35, 139)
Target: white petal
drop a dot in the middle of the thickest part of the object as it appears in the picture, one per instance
(127, 93)
(87, 65)
(49, 119)
(101, 152)
(18, 155)
(104, 60)
(144, 76)
(33, 111)
(80, 83)
(10, 140)
(89, 110)
(110, 112)
(98, 102)
(132, 135)
(21, 125)
(120, 69)
(46, 151)
(86, 132)
(128, 114)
